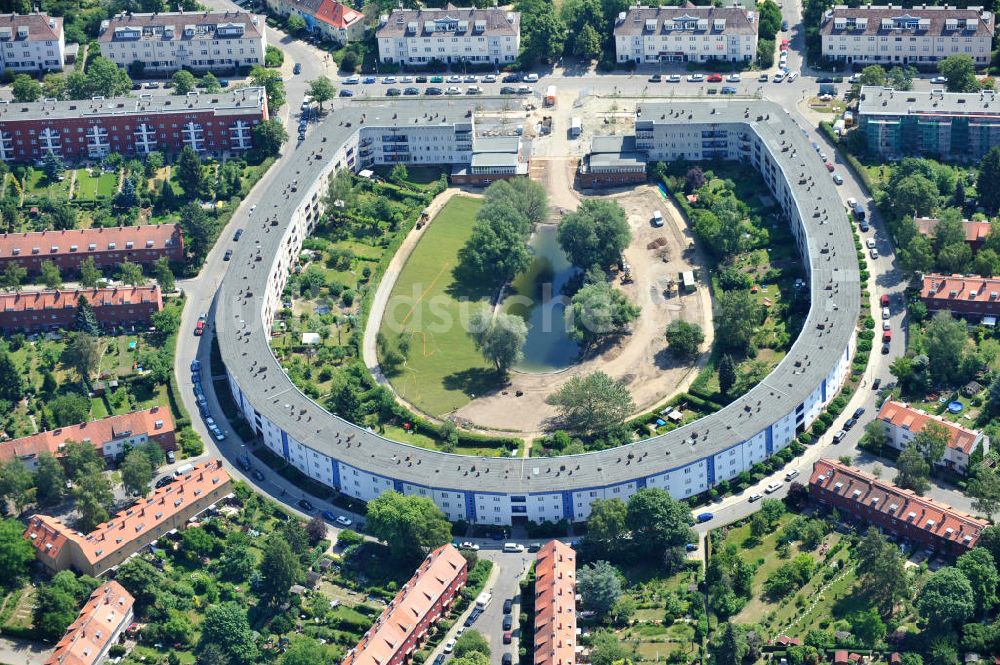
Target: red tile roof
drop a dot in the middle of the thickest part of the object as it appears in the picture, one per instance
(555, 605)
(959, 288)
(412, 604)
(49, 535)
(975, 232)
(904, 416)
(896, 504)
(97, 432)
(98, 622)
(54, 243)
(338, 14)
(66, 298)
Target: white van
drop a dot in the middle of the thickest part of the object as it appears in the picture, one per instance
(513, 548)
(186, 468)
(885, 313)
(657, 218)
(483, 600)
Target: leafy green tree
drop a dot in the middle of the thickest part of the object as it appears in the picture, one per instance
(496, 250)
(184, 82)
(600, 586)
(13, 277)
(988, 182)
(94, 498)
(410, 525)
(279, 569)
(587, 43)
(984, 488)
(684, 338)
(15, 483)
(658, 523)
(137, 473)
(321, 90)
(400, 174)
(525, 195)
(607, 533)
(980, 569)
(50, 275)
(89, 273)
(199, 229)
(901, 78)
(273, 84)
(732, 646)
(727, 373)
(127, 198)
(197, 542)
(305, 650)
(83, 354)
(142, 580)
(738, 315)
(543, 32)
(769, 22)
(164, 275)
(913, 195)
(269, 136)
(593, 403)
(876, 436)
(598, 311)
(210, 83)
(946, 339)
(471, 641)
(26, 89)
(190, 174)
(237, 562)
(499, 337)
(131, 273)
(605, 649)
(872, 75)
(868, 626)
(49, 480)
(913, 470)
(960, 71)
(226, 626)
(946, 600)
(55, 609)
(932, 441)
(295, 24)
(105, 79)
(596, 233)
(11, 378)
(54, 86)
(85, 319)
(16, 553)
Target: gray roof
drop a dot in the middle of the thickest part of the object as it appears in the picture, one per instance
(499, 22)
(205, 24)
(487, 159)
(739, 21)
(936, 20)
(612, 144)
(485, 144)
(610, 160)
(235, 102)
(824, 340)
(41, 27)
(886, 101)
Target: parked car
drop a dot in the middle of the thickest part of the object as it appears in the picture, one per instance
(344, 92)
(454, 78)
(508, 605)
(858, 412)
(507, 659)
(237, 235)
(344, 521)
(779, 77)
(695, 78)
(469, 545)
(728, 90)
(228, 255)
(705, 517)
(655, 78)
(490, 78)
(297, 69)
(839, 436)
(164, 481)
(772, 487)
(674, 78)
(512, 78)
(329, 515)
(171, 457)
(388, 79)
(793, 76)
(939, 79)
(873, 253)
(368, 80)
(734, 77)
(393, 92)
(691, 547)
(791, 475)
(762, 78)
(756, 496)
(507, 90)
(199, 328)
(838, 179)
(433, 91)
(257, 475)
(508, 622)
(449, 646)
(530, 78)
(534, 547)
(829, 166)
(411, 91)
(714, 78)
(508, 637)
(352, 80)
(195, 365)
(420, 79)
(876, 383)
(851, 422)
(437, 79)
(453, 90)
(306, 506)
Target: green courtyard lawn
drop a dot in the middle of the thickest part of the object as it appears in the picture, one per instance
(101, 185)
(443, 370)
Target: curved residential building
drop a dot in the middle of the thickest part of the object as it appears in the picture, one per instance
(499, 490)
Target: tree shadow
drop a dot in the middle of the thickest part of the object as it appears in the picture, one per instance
(474, 381)
(467, 285)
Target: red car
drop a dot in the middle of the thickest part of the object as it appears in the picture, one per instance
(829, 166)
(507, 637)
(199, 328)
(714, 78)
(784, 46)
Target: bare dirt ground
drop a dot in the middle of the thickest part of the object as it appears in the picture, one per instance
(640, 358)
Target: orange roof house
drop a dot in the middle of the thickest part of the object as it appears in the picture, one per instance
(975, 232)
(419, 604)
(971, 297)
(60, 547)
(555, 605)
(893, 509)
(109, 435)
(102, 620)
(107, 246)
(903, 422)
(29, 311)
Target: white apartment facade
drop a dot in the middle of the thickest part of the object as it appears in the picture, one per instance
(451, 35)
(892, 35)
(203, 41)
(32, 43)
(686, 34)
(903, 422)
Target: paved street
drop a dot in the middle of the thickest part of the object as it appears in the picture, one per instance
(23, 652)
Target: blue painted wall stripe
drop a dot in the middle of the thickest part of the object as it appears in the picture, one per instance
(284, 445)
(823, 387)
(769, 440)
(335, 472)
(470, 507)
(567, 498)
(710, 470)
(397, 485)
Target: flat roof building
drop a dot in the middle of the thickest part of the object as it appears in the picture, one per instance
(490, 36)
(611, 162)
(972, 298)
(166, 42)
(946, 125)
(903, 422)
(895, 510)
(892, 35)
(107, 246)
(32, 43)
(422, 601)
(555, 604)
(32, 311)
(209, 123)
(686, 34)
(111, 436)
(60, 547)
(493, 158)
(102, 620)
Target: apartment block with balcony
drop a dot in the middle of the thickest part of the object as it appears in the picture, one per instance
(437, 141)
(903, 423)
(892, 35)
(221, 42)
(686, 34)
(451, 35)
(32, 43)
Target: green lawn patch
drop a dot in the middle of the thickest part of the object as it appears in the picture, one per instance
(443, 371)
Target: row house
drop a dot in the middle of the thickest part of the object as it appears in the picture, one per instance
(892, 35)
(98, 627)
(451, 35)
(976, 232)
(972, 298)
(166, 510)
(686, 34)
(903, 422)
(32, 43)
(328, 18)
(107, 246)
(894, 510)
(209, 123)
(112, 437)
(35, 311)
(423, 600)
(202, 41)
(555, 604)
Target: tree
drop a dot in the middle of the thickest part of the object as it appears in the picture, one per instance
(142, 580)
(295, 23)
(876, 436)
(913, 195)
(410, 525)
(197, 542)
(54, 86)
(980, 569)
(587, 43)
(727, 373)
(732, 647)
(684, 338)
(471, 641)
(269, 136)
(316, 529)
(13, 276)
(596, 233)
(607, 532)
(593, 403)
(605, 649)
(988, 182)
(226, 626)
(946, 600)
(872, 75)
(868, 626)
(16, 553)
(131, 273)
(913, 470)
(770, 19)
(89, 273)
(496, 251)
(525, 195)
(164, 275)
(598, 311)
(237, 562)
(946, 339)
(932, 441)
(882, 571)
(84, 354)
(190, 175)
(127, 198)
(199, 228)
(137, 473)
(321, 90)
(279, 569)
(738, 315)
(94, 498)
(274, 86)
(600, 586)
(210, 83)
(103, 79)
(184, 82)
(960, 71)
(694, 180)
(305, 650)
(658, 523)
(543, 32)
(50, 275)
(901, 78)
(49, 480)
(85, 319)
(11, 378)
(984, 488)
(500, 338)
(55, 609)
(26, 89)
